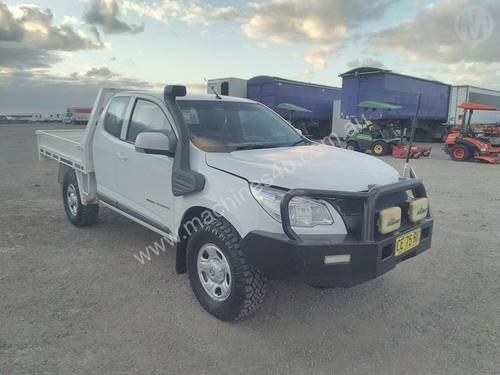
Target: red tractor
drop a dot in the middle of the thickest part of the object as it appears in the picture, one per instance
(466, 144)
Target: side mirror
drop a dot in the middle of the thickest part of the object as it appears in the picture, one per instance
(155, 143)
(298, 131)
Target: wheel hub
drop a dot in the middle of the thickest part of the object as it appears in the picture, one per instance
(214, 272)
(72, 199)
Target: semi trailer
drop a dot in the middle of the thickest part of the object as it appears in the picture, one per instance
(478, 95)
(381, 85)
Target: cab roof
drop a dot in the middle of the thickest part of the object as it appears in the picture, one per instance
(201, 97)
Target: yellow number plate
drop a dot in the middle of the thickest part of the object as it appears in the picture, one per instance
(407, 241)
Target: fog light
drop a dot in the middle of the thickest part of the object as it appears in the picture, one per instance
(418, 209)
(389, 220)
(338, 259)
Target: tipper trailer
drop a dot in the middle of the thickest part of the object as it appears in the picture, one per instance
(381, 85)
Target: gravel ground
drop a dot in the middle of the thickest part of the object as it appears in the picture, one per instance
(75, 301)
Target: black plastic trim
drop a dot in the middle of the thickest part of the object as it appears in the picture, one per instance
(133, 213)
(184, 179)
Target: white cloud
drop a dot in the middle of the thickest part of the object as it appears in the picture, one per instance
(190, 12)
(30, 38)
(476, 74)
(316, 21)
(105, 14)
(368, 62)
(318, 58)
(449, 31)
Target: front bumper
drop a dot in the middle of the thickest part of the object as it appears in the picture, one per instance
(279, 257)
(302, 258)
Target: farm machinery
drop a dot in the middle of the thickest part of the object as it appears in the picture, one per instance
(467, 144)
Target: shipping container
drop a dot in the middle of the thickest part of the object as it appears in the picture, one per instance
(315, 98)
(228, 87)
(374, 84)
(472, 94)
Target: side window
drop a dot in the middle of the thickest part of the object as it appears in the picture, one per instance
(114, 117)
(148, 117)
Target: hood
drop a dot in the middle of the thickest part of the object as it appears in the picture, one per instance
(309, 167)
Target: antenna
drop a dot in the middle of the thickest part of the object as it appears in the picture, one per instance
(213, 89)
(412, 136)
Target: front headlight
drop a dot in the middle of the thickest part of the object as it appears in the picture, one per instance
(304, 212)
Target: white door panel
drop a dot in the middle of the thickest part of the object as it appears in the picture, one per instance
(144, 180)
(106, 147)
(145, 185)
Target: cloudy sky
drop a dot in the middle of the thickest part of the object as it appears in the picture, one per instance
(56, 53)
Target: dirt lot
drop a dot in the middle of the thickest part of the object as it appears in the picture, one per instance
(75, 301)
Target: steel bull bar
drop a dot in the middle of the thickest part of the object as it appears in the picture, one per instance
(370, 198)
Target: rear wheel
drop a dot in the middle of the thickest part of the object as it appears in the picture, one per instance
(459, 153)
(77, 213)
(380, 148)
(222, 280)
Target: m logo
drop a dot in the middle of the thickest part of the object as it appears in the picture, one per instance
(474, 25)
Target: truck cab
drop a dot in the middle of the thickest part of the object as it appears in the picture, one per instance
(239, 193)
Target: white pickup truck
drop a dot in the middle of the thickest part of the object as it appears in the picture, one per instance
(242, 194)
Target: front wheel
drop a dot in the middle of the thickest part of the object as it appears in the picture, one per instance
(223, 282)
(459, 153)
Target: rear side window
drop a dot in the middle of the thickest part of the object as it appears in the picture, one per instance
(148, 117)
(113, 121)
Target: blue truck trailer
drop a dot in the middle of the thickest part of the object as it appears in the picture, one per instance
(317, 99)
(375, 84)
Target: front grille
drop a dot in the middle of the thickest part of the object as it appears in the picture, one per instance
(351, 211)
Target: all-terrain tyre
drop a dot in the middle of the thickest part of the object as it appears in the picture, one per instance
(380, 148)
(460, 153)
(77, 213)
(222, 280)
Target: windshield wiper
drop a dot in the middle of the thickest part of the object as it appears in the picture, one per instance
(255, 146)
(299, 142)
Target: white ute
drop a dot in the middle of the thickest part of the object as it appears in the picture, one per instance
(242, 195)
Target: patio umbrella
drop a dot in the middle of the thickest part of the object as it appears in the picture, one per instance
(292, 108)
(378, 105)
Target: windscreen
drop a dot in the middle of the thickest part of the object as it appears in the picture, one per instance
(218, 126)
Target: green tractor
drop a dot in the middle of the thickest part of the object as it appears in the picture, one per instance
(368, 136)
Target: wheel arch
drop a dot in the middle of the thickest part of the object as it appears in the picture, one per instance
(192, 218)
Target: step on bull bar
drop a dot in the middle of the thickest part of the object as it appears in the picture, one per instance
(370, 198)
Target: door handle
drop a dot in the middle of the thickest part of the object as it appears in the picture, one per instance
(122, 156)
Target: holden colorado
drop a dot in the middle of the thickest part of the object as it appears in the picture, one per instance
(213, 174)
